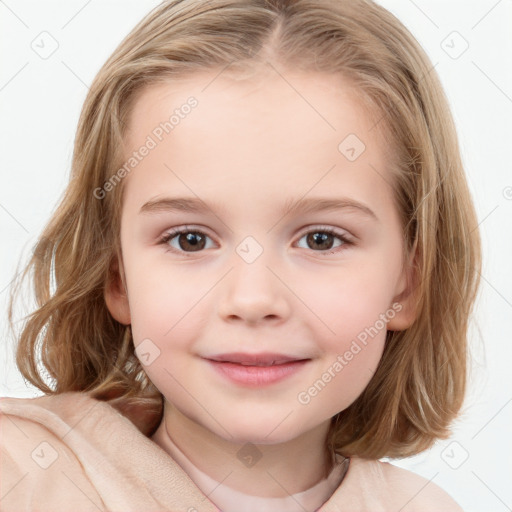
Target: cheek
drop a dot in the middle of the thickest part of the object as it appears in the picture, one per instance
(164, 306)
(350, 359)
(348, 304)
(353, 311)
(166, 320)
(343, 380)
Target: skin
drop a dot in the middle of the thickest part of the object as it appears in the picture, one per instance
(249, 146)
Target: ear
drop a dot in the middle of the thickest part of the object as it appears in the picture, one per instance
(115, 293)
(407, 295)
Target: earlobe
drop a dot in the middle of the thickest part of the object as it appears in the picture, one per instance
(407, 297)
(116, 297)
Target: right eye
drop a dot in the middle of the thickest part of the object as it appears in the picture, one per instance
(185, 240)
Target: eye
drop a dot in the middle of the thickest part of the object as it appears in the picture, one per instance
(187, 240)
(322, 238)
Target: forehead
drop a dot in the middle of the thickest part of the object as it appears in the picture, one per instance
(322, 102)
(252, 137)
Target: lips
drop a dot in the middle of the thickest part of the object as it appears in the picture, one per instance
(260, 359)
(256, 370)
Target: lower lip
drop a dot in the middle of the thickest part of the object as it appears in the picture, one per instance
(257, 375)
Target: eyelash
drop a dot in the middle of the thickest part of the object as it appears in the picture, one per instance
(167, 237)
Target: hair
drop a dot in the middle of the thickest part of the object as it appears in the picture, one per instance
(419, 386)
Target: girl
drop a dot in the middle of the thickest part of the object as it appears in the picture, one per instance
(259, 279)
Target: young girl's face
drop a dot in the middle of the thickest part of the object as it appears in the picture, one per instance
(252, 277)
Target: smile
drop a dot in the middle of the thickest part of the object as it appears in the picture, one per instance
(257, 373)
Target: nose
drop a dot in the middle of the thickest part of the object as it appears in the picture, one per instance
(254, 293)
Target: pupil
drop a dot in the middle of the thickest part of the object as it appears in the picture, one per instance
(194, 240)
(320, 239)
(191, 237)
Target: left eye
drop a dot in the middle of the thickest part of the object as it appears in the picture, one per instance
(187, 240)
(324, 237)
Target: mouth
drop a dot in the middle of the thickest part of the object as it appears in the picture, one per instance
(256, 370)
(261, 359)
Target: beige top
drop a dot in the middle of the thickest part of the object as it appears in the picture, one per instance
(72, 452)
(231, 500)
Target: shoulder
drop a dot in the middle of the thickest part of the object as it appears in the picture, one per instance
(405, 490)
(38, 468)
(71, 448)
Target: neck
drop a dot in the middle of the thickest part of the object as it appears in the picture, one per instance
(265, 470)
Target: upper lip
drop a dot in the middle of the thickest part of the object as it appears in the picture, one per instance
(260, 359)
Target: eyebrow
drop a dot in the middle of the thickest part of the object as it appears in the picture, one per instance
(291, 206)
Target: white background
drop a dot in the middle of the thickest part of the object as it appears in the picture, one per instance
(40, 101)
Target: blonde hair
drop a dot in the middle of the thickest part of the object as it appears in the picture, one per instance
(419, 386)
